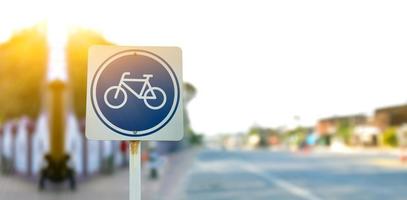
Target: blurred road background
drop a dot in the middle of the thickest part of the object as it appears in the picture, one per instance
(255, 174)
(285, 175)
(282, 100)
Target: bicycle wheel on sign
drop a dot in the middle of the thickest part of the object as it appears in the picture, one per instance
(159, 98)
(115, 97)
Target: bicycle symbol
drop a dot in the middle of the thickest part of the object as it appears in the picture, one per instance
(147, 92)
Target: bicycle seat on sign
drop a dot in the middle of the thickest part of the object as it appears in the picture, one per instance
(147, 75)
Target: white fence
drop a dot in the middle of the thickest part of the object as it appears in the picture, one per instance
(23, 154)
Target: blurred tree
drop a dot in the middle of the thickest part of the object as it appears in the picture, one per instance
(23, 61)
(263, 133)
(389, 137)
(77, 60)
(190, 92)
(190, 135)
(345, 131)
(295, 136)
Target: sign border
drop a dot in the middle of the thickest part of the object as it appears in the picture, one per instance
(135, 135)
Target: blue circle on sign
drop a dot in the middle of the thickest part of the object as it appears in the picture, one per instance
(135, 93)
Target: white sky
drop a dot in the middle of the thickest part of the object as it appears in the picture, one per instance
(252, 61)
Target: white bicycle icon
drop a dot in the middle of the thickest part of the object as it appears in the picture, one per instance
(147, 92)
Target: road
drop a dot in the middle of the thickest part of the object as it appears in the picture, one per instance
(241, 175)
(287, 176)
(107, 187)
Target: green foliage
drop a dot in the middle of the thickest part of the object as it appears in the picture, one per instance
(390, 137)
(294, 136)
(23, 61)
(189, 88)
(254, 131)
(77, 58)
(263, 133)
(344, 131)
(189, 92)
(196, 139)
(298, 135)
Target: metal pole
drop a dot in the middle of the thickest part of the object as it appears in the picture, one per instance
(1, 147)
(56, 118)
(135, 170)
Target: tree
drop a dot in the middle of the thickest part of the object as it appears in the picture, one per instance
(77, 61)
(345, 131)
(389, 137)
(23, 61)
(189, 94)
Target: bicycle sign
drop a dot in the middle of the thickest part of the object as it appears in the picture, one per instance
(134, 93)
(147, 92)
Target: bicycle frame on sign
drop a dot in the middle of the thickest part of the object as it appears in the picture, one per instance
(146, 85)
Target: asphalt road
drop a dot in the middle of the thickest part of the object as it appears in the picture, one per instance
(239, 175)
(173, 174)
(243, 175)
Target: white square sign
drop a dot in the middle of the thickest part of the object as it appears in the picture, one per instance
(134, 93)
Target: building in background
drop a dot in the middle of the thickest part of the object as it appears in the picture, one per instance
(393, 116)
(341, 126)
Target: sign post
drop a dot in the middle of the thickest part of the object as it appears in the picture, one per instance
(135, 170)
(134, 94)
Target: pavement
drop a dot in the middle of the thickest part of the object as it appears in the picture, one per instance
(110, 187)
(285, 175)
(215, 174)
(173, 177)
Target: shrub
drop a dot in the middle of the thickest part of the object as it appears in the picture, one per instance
(389, 137)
